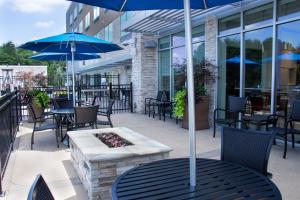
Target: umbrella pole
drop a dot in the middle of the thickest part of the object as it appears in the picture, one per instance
(73, 49)
(68, 84)
(191, 91)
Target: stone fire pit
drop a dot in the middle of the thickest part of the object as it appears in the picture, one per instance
(98, 165)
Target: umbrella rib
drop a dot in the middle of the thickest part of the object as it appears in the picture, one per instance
(205, 4)
(125, 1)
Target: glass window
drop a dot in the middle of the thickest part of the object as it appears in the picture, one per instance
(80, 7)
(71, 19)
(178, 39)
(96, 13)
(80, 28)
(288, 9)
(288, 64)
(258, 16)
(229, 68)
(87, 20)
(164, 70)
(258, 69)
(123, 19)
(109, 32)
(230, 24)
(164, 42)
(198, 33)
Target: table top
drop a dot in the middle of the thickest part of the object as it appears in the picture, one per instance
(169, 179)
(63, 111)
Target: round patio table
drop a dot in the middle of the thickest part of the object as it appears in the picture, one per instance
(216, 179)
(60, 113)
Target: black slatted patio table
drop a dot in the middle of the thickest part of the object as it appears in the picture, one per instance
(169, 179)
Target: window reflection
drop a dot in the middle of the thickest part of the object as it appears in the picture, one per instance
(288, 64)
(258, 69)
(258, 16)
(229, 68)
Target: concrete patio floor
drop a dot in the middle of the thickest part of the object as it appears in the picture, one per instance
(54, 164)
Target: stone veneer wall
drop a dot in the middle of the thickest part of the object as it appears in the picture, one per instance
(97, 177)
(144, 71)
(211, 28)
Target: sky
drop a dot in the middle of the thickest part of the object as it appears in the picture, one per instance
(25, 20)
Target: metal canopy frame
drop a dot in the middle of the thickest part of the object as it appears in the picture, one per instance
(162, 20)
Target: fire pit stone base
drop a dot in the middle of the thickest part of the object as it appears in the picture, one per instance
(97, 165)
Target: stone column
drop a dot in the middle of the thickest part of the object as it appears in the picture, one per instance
(144, 70)
(211, 28)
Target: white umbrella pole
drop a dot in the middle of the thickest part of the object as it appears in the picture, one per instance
(73, 49)
(191, 96)
(68, 84)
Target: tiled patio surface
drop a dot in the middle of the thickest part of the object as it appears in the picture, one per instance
(54, 164)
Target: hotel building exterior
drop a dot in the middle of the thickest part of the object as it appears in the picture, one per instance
(254, 44)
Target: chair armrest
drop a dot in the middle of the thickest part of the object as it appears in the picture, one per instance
(216, 111)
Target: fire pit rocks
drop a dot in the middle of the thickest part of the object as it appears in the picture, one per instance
(100, 155)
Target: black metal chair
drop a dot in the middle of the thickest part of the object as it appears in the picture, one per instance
(39, 190)
(62, 103)
(236, 105)
(289, 128)
(163, 104)
(248, 148)
(41, 127)
(96, 100)
(148, 101)
(106, 114)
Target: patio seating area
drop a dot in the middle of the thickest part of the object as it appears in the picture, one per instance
(55, 166)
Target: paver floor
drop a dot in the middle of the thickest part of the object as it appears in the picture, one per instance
(54, 164)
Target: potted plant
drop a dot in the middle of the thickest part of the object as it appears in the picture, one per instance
(203, 74)
(39, 101)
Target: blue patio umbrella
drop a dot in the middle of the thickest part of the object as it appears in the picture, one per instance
(71, 43)
(65, 57)
(237, 60)
(187, 5)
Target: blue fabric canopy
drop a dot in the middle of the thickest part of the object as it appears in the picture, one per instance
(64, 56)
(62, 44)
(134, 5)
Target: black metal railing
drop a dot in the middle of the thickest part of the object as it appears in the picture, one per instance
(121, 93)
(10, 117)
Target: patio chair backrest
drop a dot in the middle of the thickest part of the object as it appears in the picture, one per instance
(248, 148)
(236, 104)
(295, 111)
(159, 95)
(40, 190)
(84, 115)
(32, 112)
(110, 106)
(62, 103)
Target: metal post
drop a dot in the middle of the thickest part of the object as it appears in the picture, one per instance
(68, 84)
(73, 49)
(274, 49)
(191, 96)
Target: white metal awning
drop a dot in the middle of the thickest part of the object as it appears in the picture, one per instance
(123, 60)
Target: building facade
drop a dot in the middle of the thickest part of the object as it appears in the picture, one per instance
(22, 75)
(254, 44)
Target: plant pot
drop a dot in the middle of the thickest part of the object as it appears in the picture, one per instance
(201, 115)
(38, 110)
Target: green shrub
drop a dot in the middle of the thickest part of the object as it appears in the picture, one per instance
(42, 100)
(179, 107)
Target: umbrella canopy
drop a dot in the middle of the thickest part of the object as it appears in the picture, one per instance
(187, 5)
(134, 5)
(62, 44)
(238, 60)
(65, 56)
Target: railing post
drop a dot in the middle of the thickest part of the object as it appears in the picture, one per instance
(131, 98)
(110, 91)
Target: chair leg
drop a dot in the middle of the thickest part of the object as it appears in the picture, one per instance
(149, 110)
(214, 129)
(293, 140)
(32, 140)
(285, 145)
(56, 134)
(110, 122)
